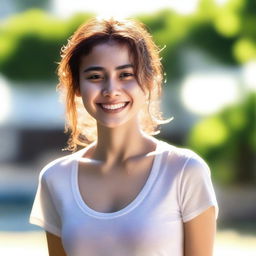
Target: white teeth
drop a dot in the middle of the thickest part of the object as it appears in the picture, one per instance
(113, 106)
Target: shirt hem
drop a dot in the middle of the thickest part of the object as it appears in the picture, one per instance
(47, 227)
(201, 210)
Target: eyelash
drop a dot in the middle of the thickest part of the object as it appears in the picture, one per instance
(93, 77)
(122, 75)
(126, 74)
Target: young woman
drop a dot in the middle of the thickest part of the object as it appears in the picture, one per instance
(125, 193)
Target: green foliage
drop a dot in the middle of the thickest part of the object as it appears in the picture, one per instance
(244, 50)
(169, 31)
(26, 4)
(225, 32)
(207, 39)
(227, 23)
(208, 134)
(30, 44)
(228, 141)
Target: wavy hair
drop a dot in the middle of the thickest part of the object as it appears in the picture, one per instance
(147, 68)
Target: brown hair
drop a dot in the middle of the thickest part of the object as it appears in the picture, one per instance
(147, 68)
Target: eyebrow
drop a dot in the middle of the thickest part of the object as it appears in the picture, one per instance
(98, 68)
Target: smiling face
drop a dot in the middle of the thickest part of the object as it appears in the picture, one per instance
(108, 87)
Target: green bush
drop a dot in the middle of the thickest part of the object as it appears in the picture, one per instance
(30, 44)
(227, 140)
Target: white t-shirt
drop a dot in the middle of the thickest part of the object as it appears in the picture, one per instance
(177, 190)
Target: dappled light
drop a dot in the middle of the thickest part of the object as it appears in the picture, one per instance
(201, 92)
(209, 133)
(5, 100)
(248, 71)
(245, 50)
(227, 139)
(228, 24)
(208, 52)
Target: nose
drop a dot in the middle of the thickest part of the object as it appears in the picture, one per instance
(111, 88)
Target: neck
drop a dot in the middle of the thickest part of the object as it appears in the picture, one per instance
(120, 143)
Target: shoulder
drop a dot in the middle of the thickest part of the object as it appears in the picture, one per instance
(59, 167)
(176, 152)
(186, 159)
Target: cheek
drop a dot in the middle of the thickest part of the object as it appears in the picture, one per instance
(140, 95)
(135, 89)
(88, 92)
(88, 96)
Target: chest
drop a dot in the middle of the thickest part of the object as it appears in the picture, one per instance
(111, 193)
(153, 227)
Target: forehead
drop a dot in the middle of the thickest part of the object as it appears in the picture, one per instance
(110, 54)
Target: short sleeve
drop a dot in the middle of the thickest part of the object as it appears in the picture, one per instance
(196, 189)
(44, 213)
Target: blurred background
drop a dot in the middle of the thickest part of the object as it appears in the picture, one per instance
(209, 56)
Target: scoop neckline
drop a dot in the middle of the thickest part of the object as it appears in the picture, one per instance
(134, 203)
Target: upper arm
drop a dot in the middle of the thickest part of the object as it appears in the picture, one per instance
(199, 234)
(55, 246)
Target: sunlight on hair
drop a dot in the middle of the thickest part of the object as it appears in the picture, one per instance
(5, 100)
(207, 94)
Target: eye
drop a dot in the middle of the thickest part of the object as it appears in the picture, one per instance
(95, 77)
(125, 75)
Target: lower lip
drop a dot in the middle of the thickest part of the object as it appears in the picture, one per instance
(114, 110)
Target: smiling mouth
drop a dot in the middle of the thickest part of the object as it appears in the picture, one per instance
(110, 108)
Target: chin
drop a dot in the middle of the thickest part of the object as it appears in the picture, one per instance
(111, 124)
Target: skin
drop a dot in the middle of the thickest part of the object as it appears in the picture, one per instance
(199, 234)
(55, 247)
(113, 81)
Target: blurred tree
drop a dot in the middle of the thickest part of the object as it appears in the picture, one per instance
(169, 31)
(23, 5)
(227, 140)
(30, 44)
(226, 32)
